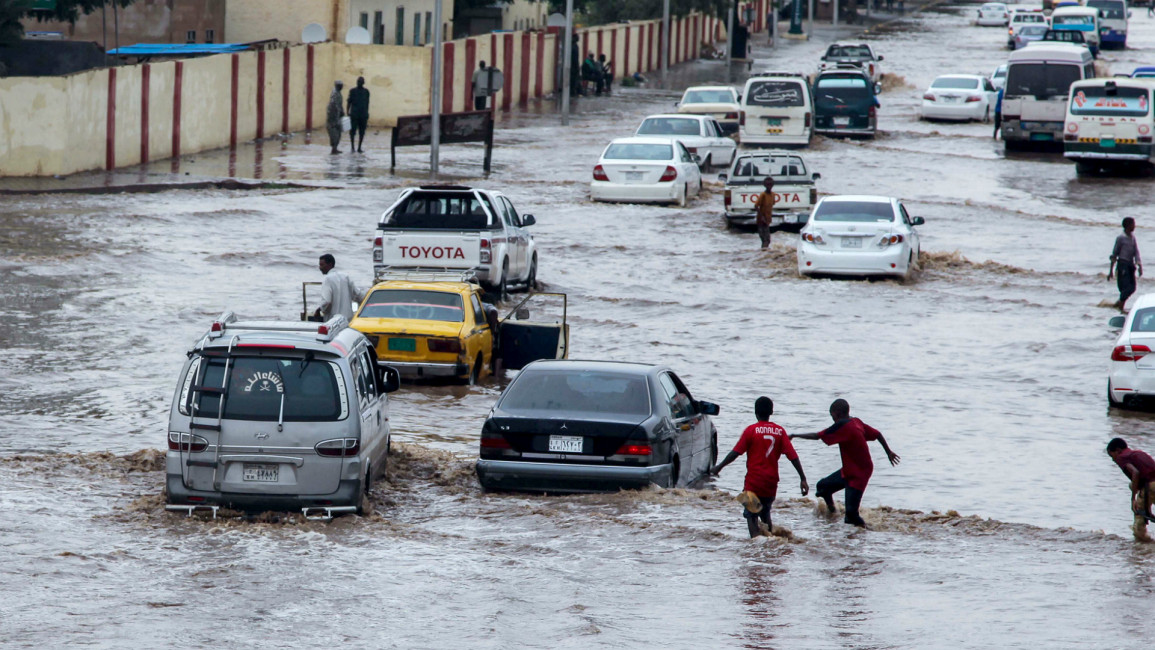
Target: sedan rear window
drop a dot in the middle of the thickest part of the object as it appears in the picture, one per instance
(637, 151)
(865, 211)
(578, 392)
(708, 97)
(955, 82)
(414, 305)
(259, 387)
(775, 93)
(670, 126)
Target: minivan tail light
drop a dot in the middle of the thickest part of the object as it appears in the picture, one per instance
(186, 442)
(871, 113)
(444, 345)
(1129, 352)
(670, 174)
(600, 173)
(634, 449)
(338, 447)
(806, 120)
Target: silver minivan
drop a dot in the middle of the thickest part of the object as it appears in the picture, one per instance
(278, 415)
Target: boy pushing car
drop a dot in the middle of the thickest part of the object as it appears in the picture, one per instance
(763, 443)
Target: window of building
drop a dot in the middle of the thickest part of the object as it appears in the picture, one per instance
(190, 36)
(210, 36)
(428, 26)
(417, 28)
(365, 20)
(400, 35)
(379, 27)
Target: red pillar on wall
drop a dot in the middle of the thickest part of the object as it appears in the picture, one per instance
(523, 83)
(650, 49)
(625, 55)
(110, 123)
(539, 75)
(176, 92)
(507, 60)
(447, 77)
(309, 89)
(470, 66)
(233, 103)
(145, 73)
(260, 93)
(285, 91)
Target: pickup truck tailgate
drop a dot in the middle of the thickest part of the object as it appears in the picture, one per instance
(785, 198)
(456, 250)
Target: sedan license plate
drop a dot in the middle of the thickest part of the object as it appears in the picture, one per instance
(264, 473)
(403, 345)
(566, 444)
(851, 242)
(950, 100)
(633, 176)
(842, 121)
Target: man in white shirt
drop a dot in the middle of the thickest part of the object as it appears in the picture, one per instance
(337, 291)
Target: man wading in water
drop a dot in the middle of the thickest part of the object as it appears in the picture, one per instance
(851, 435)
(1125, 261)
(764, 209)
(1140, 469)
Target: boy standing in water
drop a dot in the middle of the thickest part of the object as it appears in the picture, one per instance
(850, 434)
(764, 211)
(763, 443)
(1125, 261)
(1140, 469)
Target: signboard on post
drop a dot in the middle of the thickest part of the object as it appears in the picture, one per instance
(470, 126)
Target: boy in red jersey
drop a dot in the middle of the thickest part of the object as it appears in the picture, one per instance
(1140, 469)
(850, 434)
(763, 443)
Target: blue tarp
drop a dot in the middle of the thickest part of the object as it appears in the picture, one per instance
(175, 49)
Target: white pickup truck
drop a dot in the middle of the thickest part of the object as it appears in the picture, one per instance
(794, 189)
(456, 227)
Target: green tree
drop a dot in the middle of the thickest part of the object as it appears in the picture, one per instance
(11, 11)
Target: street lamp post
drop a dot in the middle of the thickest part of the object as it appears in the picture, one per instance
(567, 63)
(435, 94)
(665, 55)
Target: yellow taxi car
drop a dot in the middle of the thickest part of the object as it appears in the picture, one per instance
(428, 329)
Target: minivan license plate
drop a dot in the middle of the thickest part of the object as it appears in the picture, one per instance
(771, 121)
(566, 444)
(265, 473)
(842, 121)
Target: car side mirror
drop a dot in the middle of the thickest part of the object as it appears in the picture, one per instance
(389, 377)
(528, 220)
(521, 314)
(917, 221)
(723, 177)
(697, 159)
(815, 176)
(1117, 322)
(708, 408)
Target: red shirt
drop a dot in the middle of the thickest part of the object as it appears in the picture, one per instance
(1142, 462)
(851, 439)
(764, 443)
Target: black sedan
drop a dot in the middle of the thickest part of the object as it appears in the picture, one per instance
(584, 426)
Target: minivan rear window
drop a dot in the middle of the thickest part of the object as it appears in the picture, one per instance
(1041, 80)
(842, 82)
(431, 210)
(310, 389)
(578, 392)
(775, 93)
(1112, 9)
(1123, 102)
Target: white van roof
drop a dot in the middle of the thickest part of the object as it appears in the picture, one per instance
(1058, 52)
(1122, 82)
(1071, 10)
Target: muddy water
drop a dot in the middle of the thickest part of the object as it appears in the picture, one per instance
(1004, 526)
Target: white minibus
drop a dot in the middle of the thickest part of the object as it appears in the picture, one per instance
(1034, 100)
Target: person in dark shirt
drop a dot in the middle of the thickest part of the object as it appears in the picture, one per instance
(1139, 468)
(851, 435)
(591, 71)
(1125, 261)
(358, 109)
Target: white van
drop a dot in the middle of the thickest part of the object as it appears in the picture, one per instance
(1079, 19)
(1109, 124)
(777, 110)
(1113, 15)
(1034, 100)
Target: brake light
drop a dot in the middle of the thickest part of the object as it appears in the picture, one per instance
(186, 442)
(378, 253)
(871, 113)
(891, 239)
(731, 116)
(726, 198)
(928, 97)
(813, 239)
(485, 256)
(217, 326)
(322, 330)
(634, 449)
(742, 118)
(494, 442)
(1129, 352)
(668, 175)
(974, 98)
(338, 447)
(444, 345)
(600, 174)
(806, 122)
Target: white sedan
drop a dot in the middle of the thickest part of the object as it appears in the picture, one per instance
(701, 134)
(859, 235)
(993, 14)
(719, 101)
(646, 170)
(959, 97)
(1132, 374)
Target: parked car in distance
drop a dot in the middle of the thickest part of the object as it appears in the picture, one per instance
(859, 55)
(1021, 18)
(1131, 376)
(1144, 72)
(646, 170)
(845, 103)
(459, 228)
(859, 236)
(278, 415)
(999, 77)
(777, 110)
(959, 97)
(700, 134)
(794, 189)
(719, 102)
(1028, 34)
(993, 14)
(1079, 19)
(1064, 36)
(583, 426)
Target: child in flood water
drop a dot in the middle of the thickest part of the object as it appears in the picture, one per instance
(763, 443)
(1139, 468)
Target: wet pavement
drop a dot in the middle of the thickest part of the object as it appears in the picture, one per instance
(1005, 525)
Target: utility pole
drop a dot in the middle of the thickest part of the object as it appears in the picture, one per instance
(810, 21)
(665, 39)
(567, 70)
(435, 94)
(835, 23)
(733, 9)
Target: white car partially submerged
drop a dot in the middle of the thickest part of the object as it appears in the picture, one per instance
(859, 236)
(700, 134)
(993, 14)
(959, 97)
(646, 170)
(1131, 378)
(719, 102)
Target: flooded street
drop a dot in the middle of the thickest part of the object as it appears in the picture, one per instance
(1006, 525)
